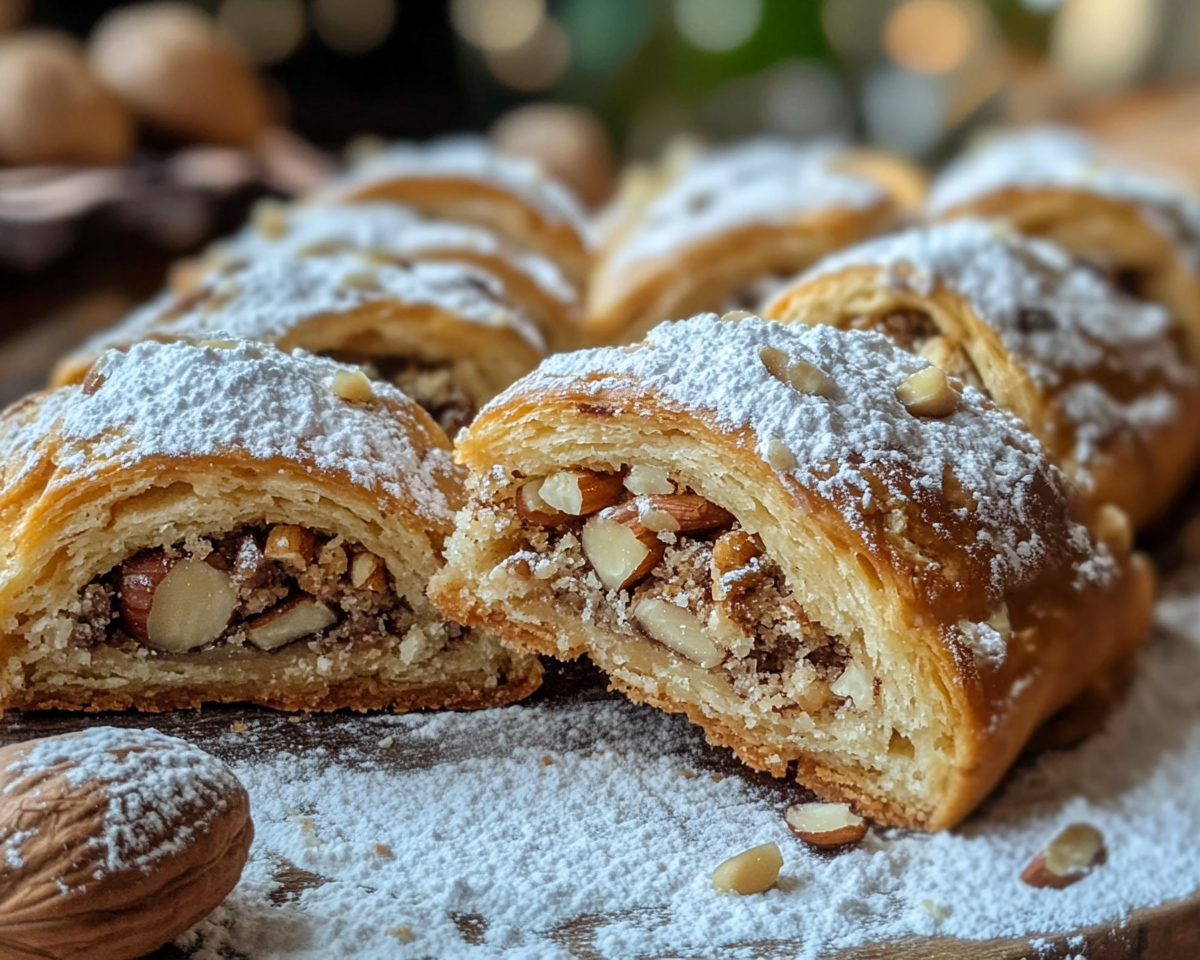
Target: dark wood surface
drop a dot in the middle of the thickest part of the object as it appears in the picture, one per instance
(1167, 932)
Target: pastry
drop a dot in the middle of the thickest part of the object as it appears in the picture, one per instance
(1056, 183)
(177, 72)
(721, 231)
(1094, 373)
(52, 109)
(465, 178)
(807, 540)
(725, 229)
(443, 332)
(231, 523)
(393, 232)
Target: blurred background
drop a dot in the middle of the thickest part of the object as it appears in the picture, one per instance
(915, 76)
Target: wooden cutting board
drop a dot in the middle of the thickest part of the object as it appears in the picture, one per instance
(1167, 932)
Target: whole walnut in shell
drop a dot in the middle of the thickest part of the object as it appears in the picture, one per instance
(113, 842)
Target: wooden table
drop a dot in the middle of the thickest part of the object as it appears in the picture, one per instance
(1167, 932)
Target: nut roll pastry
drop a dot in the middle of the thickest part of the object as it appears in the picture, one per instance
(196, 524)
(835, 559)
(730, 224)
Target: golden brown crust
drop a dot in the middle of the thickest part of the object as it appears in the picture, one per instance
(522, 677)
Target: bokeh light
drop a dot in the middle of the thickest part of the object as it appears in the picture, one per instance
(804, 98)
(1103, 43)
(853, 27)
(903, 110)
(537, 64)
(497, 25)
(353, 26)
(930, 36)
(269, 30)
(718, 25)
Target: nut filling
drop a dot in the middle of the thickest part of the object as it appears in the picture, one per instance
(433, 386)
(257, 586)
(677, 570)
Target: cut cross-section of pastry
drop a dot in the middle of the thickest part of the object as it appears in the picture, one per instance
(722, 230)
(758, 525)
(393, 232)
(464, 178)
(1094, 373)
(443, 332)
(199, 524)
(1141, 228)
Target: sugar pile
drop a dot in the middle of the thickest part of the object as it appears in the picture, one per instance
(590, 829)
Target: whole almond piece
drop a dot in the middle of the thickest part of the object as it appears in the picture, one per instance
(753, 871)
(620, 553)
(1067, 859)
(115, 842)
(691, 513)
(533, 509)
(581, 492)
(288, 621)
(825, 824)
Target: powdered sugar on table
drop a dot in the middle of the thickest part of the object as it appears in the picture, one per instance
(591, 829)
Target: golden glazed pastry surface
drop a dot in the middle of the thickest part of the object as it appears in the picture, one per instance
(1095, 374)
(194, 458)
(939, 596)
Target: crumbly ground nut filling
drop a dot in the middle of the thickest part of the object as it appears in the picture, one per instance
(775, 657)
(365, 613)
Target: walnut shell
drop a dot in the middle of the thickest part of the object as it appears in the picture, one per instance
(113, 842)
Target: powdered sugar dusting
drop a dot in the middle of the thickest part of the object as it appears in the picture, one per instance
(592, 829)
(390, 229)
(759, 181)
(861, 428)
(1059, 320)
(179, 400)
(470, 157)
(272, 296)
(1050, 156)
(162, 792)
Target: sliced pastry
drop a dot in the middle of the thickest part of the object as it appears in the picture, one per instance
(835, 559)
(719, 230)
(395, 233)
(464, 178)
(1142, 229)
(445, 333)
(1093, 372)
(197, 524)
